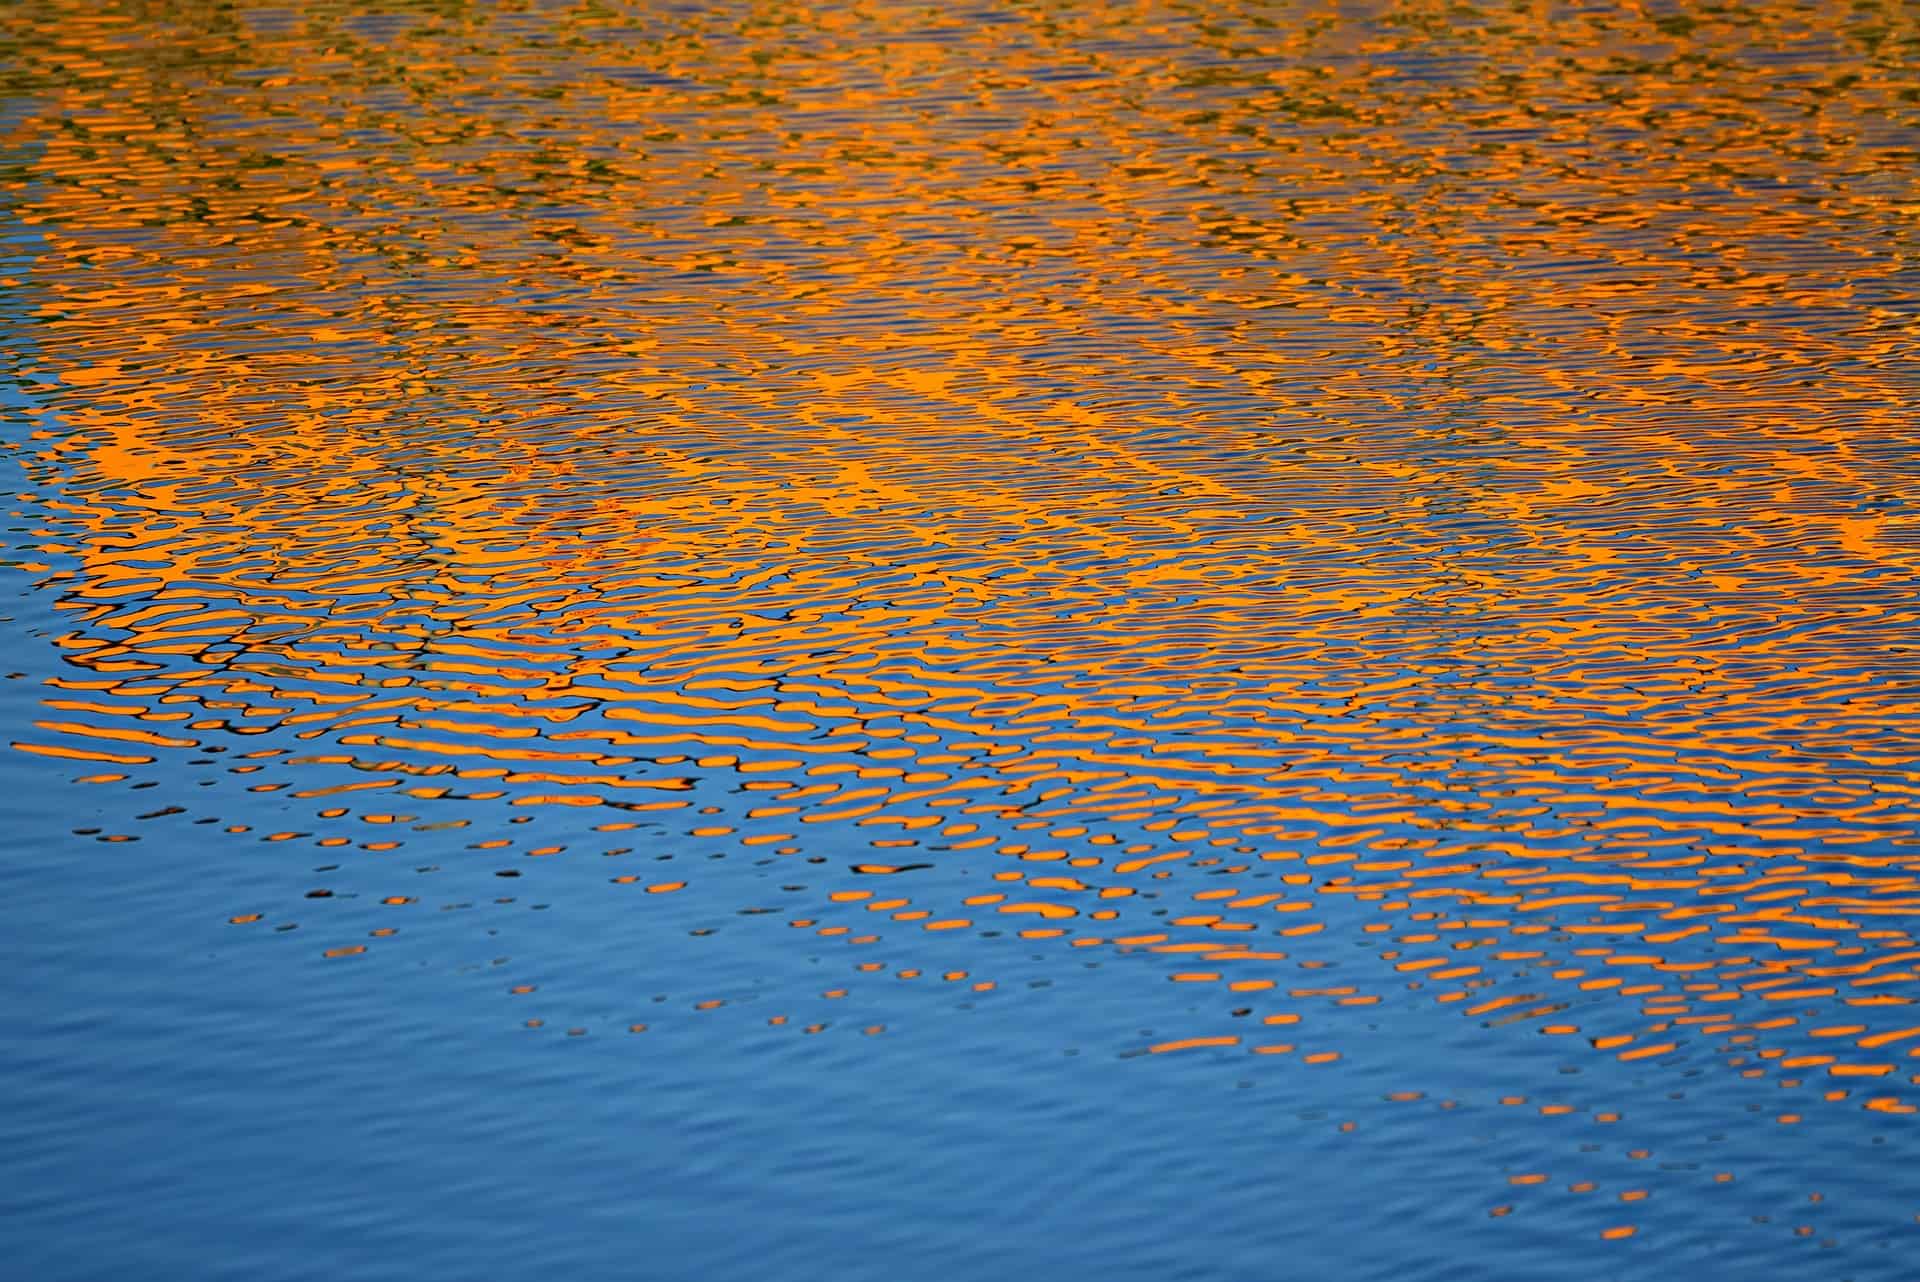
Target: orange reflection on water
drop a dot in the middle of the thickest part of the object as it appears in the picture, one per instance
(1439, 479)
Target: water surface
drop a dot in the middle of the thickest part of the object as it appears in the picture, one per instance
(882, 640)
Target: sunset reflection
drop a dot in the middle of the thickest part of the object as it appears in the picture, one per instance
(1342, 509)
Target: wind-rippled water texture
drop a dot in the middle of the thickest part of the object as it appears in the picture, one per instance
(872, 640)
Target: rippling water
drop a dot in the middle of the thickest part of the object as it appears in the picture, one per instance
(878, 640)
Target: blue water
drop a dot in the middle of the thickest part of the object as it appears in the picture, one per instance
(185, 1105)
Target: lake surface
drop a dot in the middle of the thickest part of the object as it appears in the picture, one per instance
(891, 641)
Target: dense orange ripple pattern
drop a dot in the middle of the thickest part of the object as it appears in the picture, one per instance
(1444, 477)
